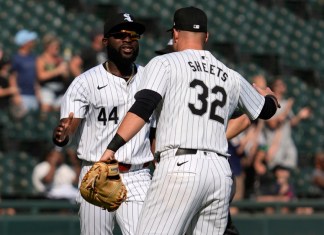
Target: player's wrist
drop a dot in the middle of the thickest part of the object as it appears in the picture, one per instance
(116, 142)
(61, 143)
(275, 100)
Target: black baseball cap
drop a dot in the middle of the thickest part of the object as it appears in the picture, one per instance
(167, 49)
(190, 19)
(120, 21)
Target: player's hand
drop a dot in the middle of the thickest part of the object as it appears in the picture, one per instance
(107, 156)
(265, 92)
(62, 130)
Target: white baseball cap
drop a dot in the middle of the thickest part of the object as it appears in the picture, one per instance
(24, 36)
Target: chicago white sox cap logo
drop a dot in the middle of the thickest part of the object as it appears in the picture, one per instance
(127, 17)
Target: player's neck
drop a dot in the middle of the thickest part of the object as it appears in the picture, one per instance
(188, 45)
(123, 71)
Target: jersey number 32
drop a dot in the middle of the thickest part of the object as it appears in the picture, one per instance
(202, 97)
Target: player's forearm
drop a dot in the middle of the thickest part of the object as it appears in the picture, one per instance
(237, 125)
(130, 125)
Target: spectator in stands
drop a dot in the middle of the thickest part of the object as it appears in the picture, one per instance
(318, 174)
(281, 190)
(89, 56)
(282, 150)
(6, 91)
(23, 75)
(55, 177)
(52, 73)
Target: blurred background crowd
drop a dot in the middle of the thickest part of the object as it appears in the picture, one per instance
(44, 45)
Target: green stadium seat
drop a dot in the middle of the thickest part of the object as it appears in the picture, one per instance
(16, 179)
(302, 180)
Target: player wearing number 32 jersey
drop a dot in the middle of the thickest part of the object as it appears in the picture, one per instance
(193, 94)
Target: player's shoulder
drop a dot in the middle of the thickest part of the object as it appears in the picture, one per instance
(94, 70)
(84, 79)
(90, 74)
(139, 71)
(139, 68)
(161, 60)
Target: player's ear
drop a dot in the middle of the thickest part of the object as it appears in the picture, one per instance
(207, 36)
(105, 41)
(175, 36)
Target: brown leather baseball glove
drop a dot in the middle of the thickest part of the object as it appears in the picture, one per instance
(103, 187)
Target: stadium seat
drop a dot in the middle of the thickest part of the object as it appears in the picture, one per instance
(302, 180)
(16, 179)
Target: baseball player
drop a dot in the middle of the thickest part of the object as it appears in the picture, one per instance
(93, 106)
(193, 95)
(238, 123)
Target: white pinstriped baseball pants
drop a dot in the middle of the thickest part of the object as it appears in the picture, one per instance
(96, 221)
(192, 198)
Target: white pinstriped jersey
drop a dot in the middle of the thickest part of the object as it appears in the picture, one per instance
(102, 100)
(199, 94)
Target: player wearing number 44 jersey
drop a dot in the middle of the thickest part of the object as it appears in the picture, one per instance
(193, 94)
(93, 106)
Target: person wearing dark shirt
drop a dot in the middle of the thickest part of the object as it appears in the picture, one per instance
(6, 91)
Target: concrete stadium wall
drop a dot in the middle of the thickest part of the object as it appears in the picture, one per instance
(247, 225)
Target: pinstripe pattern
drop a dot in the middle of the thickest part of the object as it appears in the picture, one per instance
(90, 103)
(177, 126)
(199, 94)
(96, 221)
(192, 197)
(86, 101)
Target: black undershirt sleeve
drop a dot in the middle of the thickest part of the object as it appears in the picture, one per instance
(269, 108)
(146, 102)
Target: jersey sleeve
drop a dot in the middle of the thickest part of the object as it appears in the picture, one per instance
(250, 101)
(155, 76)
(75, 99)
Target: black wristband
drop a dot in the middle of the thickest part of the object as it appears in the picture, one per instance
(274, 99)
(63, 143)
(116, 143)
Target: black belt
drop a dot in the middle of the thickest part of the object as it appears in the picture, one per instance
(124, 167)
(184, 151)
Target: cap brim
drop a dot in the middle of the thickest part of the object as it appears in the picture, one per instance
(133, 26)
